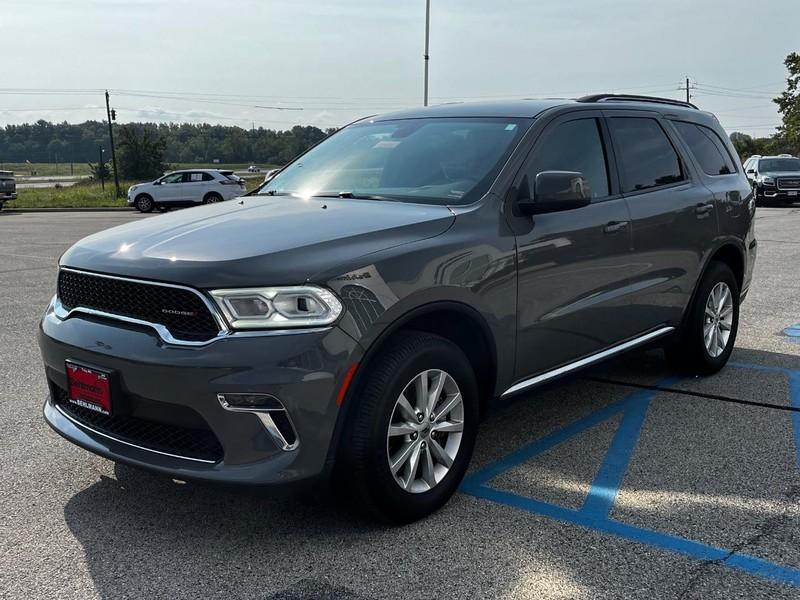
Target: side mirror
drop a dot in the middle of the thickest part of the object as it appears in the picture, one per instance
(157, 182)
(751, 171)
(555, 191)
(270, 174)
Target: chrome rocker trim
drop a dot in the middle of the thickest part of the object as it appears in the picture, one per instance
(584, 362)
(130, 444)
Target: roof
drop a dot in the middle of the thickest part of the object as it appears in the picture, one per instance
(530, 108)
(522, 109)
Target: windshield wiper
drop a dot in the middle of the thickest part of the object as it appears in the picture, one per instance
(350, 195)
(274, 193)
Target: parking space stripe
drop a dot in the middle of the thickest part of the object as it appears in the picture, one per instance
(595, 512)
(605, 486)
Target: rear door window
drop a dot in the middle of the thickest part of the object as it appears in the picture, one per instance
(706, 147)
(646, 157)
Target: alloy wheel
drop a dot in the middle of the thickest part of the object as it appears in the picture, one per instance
(718, 319)
(425, 431)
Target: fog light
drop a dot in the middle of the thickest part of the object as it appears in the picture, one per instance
(249, 401)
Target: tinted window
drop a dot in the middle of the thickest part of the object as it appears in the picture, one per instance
(571, 146)
(706, 148)
(647, 158)
(207, 177)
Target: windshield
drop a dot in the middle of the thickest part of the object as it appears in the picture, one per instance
(779, 164)
(438, 161)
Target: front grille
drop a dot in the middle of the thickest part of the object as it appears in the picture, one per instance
(789, 183)
(162, 437)
(180, 310)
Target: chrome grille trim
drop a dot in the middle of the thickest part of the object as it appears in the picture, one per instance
(793, 185)
(63, 313)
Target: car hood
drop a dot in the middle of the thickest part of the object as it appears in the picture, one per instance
(780, 174)
(255, 240)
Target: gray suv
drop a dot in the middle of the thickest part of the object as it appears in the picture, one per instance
(355, 318)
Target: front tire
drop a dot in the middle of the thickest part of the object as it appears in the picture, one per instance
(144, 203)
(413, 432)
(705, 341)
(759, 200)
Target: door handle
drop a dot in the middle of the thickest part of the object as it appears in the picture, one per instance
(703, 208)
(615, 226)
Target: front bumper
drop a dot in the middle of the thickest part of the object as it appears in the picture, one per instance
(8, 196)
(775, 194)
(161, 384)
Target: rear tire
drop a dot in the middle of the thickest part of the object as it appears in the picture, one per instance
(382, 431)
(144, 203)
(705, 341)
(212, 198)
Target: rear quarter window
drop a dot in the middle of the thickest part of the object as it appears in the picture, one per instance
(706, 147)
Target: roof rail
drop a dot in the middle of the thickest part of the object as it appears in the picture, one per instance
(634, 98)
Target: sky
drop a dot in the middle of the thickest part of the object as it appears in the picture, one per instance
(278, 63)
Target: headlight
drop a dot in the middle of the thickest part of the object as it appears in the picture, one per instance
(278, 307)
(768, 180)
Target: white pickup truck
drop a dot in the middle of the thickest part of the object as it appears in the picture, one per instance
(8, 187)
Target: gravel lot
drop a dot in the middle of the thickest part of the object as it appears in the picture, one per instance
(625, 482)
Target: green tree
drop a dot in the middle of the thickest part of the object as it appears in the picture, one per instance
(100, 171)
(141, 153)
(789, 107)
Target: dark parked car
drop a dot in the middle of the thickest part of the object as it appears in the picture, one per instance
(774, 178)
(8, 187)
(358, 315)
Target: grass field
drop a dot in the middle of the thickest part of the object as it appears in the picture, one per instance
(45, 169)
(85, 194)
(53, 169)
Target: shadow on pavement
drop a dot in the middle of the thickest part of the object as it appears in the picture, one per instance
(146, 536)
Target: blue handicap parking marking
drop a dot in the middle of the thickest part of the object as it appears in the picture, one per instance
(792, 331)
(596, 509)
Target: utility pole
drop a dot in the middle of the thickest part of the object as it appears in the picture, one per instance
(688, 86)
(111, 138)
(427, 44)
(100, 169)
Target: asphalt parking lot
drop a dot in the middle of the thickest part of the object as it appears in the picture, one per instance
(628, 482)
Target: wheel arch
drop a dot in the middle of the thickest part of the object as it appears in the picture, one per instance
(455, 321)
(727, 252)
(731, 255)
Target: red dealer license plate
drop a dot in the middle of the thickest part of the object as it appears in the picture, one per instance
(89, 388)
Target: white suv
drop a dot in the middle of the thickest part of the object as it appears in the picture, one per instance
(185, 188)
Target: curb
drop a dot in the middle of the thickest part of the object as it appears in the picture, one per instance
(46, 210)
